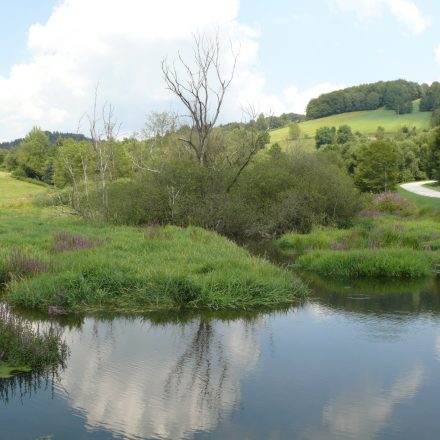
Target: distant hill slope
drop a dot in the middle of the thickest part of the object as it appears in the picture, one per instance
(52, 135)
(364, 121)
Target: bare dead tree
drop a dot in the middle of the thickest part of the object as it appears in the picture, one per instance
(103, 133)
(201, 89)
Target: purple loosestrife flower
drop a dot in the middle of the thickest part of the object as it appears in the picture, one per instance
(67, 242)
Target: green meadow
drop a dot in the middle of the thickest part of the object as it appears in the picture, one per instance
(15, 193)
(364, 121)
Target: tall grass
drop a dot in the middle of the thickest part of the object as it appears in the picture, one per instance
(15, 193)
(365, 263)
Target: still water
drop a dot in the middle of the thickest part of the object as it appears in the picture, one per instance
(354, 362)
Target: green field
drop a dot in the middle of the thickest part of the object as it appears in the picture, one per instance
(14, 193)
(365, 122)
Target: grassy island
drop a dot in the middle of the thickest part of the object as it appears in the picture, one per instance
(60, 264)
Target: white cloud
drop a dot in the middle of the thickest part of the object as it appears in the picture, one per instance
(363, 9)
(408, 13)
(404, 11)
(296, 100)
(437, 54)
(118, 44)
(363, 413)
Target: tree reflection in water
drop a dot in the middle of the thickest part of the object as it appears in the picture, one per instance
(203, 366)
(26, 385)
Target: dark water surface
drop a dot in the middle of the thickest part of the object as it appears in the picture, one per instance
(354, 362)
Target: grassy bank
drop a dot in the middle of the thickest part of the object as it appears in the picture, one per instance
(59, 263)
(378, 246)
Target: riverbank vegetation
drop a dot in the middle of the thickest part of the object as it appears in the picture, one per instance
(388, 241)
(60, 264)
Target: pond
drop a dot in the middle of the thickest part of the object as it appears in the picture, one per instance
(354, 362)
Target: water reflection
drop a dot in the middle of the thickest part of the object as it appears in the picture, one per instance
(437, 347)
(351, 363)
(159, 384)
(362, 414)
(26, 385)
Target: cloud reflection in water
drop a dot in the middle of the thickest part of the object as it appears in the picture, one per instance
(161, 381)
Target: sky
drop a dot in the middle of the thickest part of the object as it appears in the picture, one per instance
(54, 53)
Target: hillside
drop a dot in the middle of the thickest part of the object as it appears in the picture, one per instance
(363, 121)
(53, 136)
(16, 193)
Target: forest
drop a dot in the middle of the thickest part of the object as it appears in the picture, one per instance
(395, 95)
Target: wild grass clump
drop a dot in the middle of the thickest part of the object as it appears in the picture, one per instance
(366, 263)
(63, 241)
(23, 346)
(19, 264)
(58, 263)
(319, 238)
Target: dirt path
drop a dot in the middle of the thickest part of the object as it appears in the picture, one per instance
(418, 188)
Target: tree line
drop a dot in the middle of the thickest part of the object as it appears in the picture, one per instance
(393, 95)
(52, 136)
(378, 163)
(431, 102)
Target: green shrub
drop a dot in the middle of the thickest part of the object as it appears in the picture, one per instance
(393, 203)
(19, 173)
